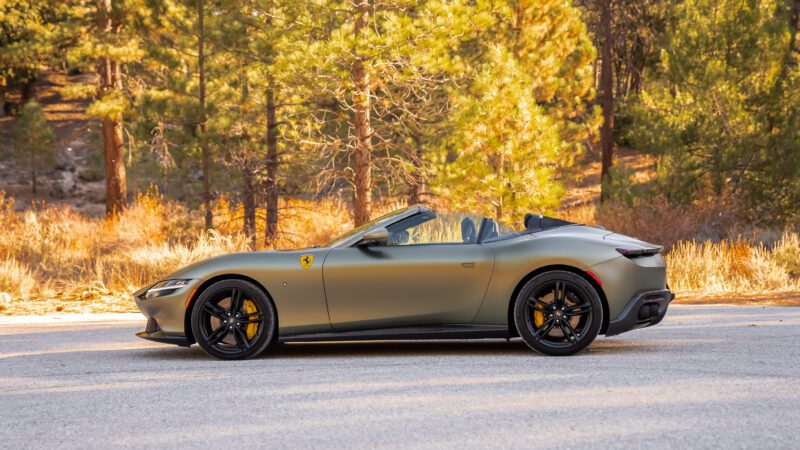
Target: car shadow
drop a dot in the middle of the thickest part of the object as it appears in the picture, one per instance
(400, 349)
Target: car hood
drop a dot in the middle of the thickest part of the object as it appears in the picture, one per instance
(236, 262)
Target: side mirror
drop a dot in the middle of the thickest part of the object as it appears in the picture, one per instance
(379, 236)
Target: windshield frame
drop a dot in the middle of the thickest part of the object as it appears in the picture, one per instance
(351, 237)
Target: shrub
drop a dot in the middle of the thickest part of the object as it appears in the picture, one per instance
(33, 141)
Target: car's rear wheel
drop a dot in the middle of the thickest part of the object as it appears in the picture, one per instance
(233, 319)
(558, 313)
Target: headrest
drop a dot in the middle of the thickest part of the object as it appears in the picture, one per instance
(533, 221)
(468, 232)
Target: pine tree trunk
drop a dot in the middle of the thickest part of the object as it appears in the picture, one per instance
(249, 189)
(637, 69)
(110, 78)
(204, 151)
(27, 91)
(418, 193)
(271, 233)
(500, 171)
(116, 188)
(249, 200)
(363, 130)
(607, 100)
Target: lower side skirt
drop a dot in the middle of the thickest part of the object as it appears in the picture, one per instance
(407, 334)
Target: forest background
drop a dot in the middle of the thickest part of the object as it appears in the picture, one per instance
(137, 136)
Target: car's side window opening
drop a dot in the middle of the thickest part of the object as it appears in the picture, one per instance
(430, 227)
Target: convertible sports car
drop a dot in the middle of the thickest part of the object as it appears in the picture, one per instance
(417, 274)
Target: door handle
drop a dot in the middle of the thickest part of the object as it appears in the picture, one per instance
(468, 265)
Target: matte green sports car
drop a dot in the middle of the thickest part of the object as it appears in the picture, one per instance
(417, 274)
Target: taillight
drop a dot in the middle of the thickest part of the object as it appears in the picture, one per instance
(635, 252)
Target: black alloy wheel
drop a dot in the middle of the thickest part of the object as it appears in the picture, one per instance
(233, 319)
(558, 313)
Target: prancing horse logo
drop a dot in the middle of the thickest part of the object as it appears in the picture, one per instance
(306, 261)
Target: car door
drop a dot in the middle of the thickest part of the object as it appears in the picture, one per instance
(417, 282)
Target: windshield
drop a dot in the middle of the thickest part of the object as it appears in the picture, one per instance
(357, 230)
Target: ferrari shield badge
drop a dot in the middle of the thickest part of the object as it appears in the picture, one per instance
(306, 261)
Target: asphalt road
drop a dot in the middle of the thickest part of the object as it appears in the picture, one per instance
(705, 377)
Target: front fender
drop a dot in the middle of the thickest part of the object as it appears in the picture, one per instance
(298, 292)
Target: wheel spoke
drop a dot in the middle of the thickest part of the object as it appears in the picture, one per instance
(214, 310)
(560, 294)
(578, 310)
(236, 301)
(567, 329)
(241, 339)
(534, 302)
(544, 329)
(252, 315)
(582, 305)
(555, 295)
(218, 334)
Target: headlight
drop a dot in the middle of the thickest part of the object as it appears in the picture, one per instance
(165, 287)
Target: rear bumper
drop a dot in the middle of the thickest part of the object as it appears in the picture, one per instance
(153, 333)
(643, 310)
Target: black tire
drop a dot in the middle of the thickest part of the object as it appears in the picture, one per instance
(558, 313)
(225, 325)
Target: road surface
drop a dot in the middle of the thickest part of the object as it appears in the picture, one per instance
(707, 376)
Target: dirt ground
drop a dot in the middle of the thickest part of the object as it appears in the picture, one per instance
(70, 180)
(747, 299)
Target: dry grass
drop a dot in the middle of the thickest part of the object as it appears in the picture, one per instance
(710, 256)
(53, 259)
(733, 268)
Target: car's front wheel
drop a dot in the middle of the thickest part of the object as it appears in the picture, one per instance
(558, 313)
(233, 319)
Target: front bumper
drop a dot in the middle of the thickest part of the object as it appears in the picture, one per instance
(166, 315)
(153, 333)
(643, 310)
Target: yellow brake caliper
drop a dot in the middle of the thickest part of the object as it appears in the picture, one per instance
(252, 328)
(538, 318)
